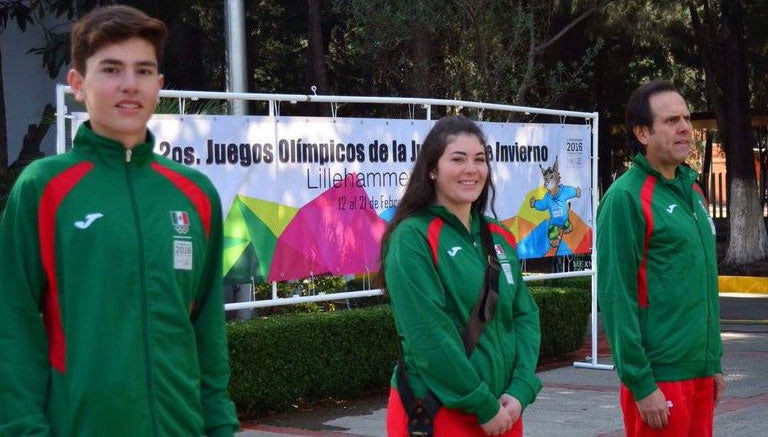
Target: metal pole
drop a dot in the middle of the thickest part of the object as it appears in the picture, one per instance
(61, 111)
(236, 57)
(593, 363)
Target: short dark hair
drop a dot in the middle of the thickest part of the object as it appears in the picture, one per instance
(421, 191)
(110, 25)
(638, 111)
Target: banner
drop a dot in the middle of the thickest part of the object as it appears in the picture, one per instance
(311, 196)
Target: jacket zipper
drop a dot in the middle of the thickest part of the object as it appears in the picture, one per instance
(144, 297)
(697, 222)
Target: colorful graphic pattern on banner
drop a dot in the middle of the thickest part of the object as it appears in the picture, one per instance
(311, 196)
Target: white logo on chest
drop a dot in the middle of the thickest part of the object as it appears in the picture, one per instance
(454, 250)
(90, 218)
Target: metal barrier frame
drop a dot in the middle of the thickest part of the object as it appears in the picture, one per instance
(273, 104)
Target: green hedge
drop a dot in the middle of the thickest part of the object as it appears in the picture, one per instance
(563, 316)
(280, 362)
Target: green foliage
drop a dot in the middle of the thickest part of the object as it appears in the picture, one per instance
(364, 283)
(563, 314)
(170, 105)
(579, 283)
(6, 183)
(22, 12)
(73, 8)
(278, 362)
(55, 54)
(487, 50)
(191, 61)
(281, 362)
(755, 17)
(326, 284)
(278, 37)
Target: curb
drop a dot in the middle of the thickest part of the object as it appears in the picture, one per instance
(743, 284)
(743, 322)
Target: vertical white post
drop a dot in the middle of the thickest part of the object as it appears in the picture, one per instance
(593, 364)
(61, 110)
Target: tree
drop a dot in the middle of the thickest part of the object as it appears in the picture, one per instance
(190, 61)
(721, 35)
(642, 40)
(581, 55)
(316, 48)
(483, 50)
(701, 46)
(393, 48)
(277, 46)
(23, 13)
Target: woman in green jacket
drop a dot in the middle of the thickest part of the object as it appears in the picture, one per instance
(433, 266)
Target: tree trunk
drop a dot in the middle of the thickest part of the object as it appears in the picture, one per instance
(316, 71)
(183, 64)
(422, 55)
(707, 166)
(747, 242)
(3, 126)
(603, 148)
(530, 66)
(748, 239)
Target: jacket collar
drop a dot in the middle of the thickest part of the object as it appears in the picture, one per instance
(450, 218)
(112, 152)
(682, 171)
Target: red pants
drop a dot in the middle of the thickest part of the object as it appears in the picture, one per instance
(449, 422)
(691, 414)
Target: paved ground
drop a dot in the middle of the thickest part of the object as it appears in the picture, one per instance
(578, 402)
(745, 308)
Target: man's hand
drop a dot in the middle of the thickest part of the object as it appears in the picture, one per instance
(512, 405)
(719, 387)
(653, 409)
(500, 423)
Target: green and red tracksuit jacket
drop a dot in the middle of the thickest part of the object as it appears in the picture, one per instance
(435, 270)
(120, 252)
(657, 278)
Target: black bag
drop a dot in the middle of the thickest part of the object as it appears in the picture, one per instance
(421, 412)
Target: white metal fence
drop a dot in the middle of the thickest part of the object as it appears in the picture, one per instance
(273, 107)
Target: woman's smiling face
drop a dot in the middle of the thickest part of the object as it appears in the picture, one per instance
(460, 174)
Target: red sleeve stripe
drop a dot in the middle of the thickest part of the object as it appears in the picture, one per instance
(192, 191)
(646, 194)
(433, 236)
(504, 232)
(53, 194)
(697, 188)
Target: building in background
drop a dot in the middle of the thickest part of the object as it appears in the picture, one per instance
(705, 129)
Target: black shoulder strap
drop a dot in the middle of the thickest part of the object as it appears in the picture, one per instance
(485, 307)
(421, 411)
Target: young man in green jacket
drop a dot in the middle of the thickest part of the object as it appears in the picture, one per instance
(657, 275)
(111, 301)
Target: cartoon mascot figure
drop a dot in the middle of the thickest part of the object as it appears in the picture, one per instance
(556, 202)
